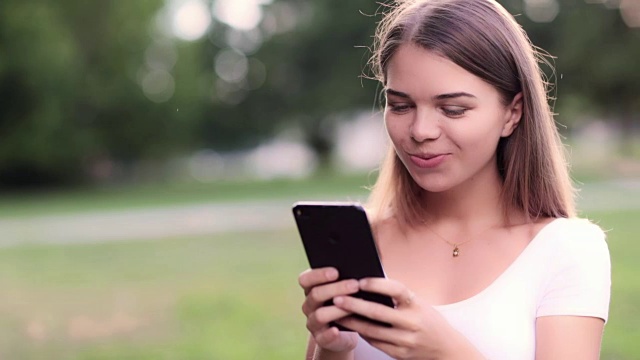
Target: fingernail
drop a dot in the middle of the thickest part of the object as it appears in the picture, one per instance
(331, 274)
(338, 300)
(363, 282)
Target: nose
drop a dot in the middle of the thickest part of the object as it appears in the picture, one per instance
(425, 126)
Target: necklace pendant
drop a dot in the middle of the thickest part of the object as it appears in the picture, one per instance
(456, 252)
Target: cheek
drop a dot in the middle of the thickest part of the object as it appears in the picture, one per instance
(486, 129)
(395, 131)
(477, 140)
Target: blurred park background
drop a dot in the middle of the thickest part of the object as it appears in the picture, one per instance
(150, 151)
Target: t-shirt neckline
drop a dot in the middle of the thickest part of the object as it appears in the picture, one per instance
(506, 272)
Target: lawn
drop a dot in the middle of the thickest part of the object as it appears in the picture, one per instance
(231, 296)
(223, 297)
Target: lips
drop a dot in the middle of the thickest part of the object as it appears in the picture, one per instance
(428, 161)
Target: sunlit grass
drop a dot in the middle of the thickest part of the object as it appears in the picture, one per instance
(231, 296)
(225, 297)
(622, 332)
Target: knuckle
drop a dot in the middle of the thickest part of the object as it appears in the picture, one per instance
(413, 325)
(315, 294)
(350, 286)
(408, 342)
(311, 323)
(321, 316)
(404, 353)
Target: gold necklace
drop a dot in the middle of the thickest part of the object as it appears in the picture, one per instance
(456, 250)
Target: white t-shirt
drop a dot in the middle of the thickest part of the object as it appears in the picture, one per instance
(565, 270)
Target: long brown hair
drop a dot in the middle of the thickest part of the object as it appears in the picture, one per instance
(484, 39)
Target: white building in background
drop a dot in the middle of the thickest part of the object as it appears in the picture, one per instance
(361, 143)
(281, 158)
(360, 146)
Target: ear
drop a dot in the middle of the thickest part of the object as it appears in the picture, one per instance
(513, 114)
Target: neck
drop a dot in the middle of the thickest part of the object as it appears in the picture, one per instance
(473, 204)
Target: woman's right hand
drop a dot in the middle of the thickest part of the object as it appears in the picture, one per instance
(319, 286)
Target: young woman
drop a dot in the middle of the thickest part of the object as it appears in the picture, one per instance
(473, 208)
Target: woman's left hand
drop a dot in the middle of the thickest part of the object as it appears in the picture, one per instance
(418, 330)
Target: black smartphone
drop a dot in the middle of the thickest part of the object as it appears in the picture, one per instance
(338, 234)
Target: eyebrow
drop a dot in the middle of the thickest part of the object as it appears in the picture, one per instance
(437, 97)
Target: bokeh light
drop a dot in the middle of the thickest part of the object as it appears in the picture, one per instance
(630, 11)
(246, 41)
(541, 11)
(158, 85)
(191, 20)
(240, 14)
(231, 66)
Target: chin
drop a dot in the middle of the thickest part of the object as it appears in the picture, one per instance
(432, 183)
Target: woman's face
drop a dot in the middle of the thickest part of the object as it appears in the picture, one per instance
(444, 122)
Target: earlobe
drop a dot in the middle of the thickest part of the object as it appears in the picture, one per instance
(513, 115)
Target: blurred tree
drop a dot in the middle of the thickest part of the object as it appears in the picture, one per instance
(70, 93)
(596, 60)
(599, 67)
(312, 71)
(37, 72)
(312, 75)
(85, 84)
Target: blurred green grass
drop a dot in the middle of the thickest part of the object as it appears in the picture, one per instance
(232, 296)
(228, 296)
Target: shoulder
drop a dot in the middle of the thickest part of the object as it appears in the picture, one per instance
(574, 243)
(576, 236)
(578, 267)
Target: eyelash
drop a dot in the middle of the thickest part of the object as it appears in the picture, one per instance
(399, 109)
(454, 113)
(403, 109)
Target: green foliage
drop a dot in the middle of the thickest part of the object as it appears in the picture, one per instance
(69, 89)
(72, 75)
(313, 73)
(595, 55)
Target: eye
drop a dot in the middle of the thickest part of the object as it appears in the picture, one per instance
(454, 111)
(401, 108)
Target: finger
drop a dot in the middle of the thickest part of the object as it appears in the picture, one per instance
(384, 338)
(371, 310)
(323, 316)
(330, 338)
(407, 299)
(399, 292)
(327, 336)
(313, 277)
(370, 330)
(318, 295)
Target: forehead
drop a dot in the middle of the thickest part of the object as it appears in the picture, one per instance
(424, 73)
